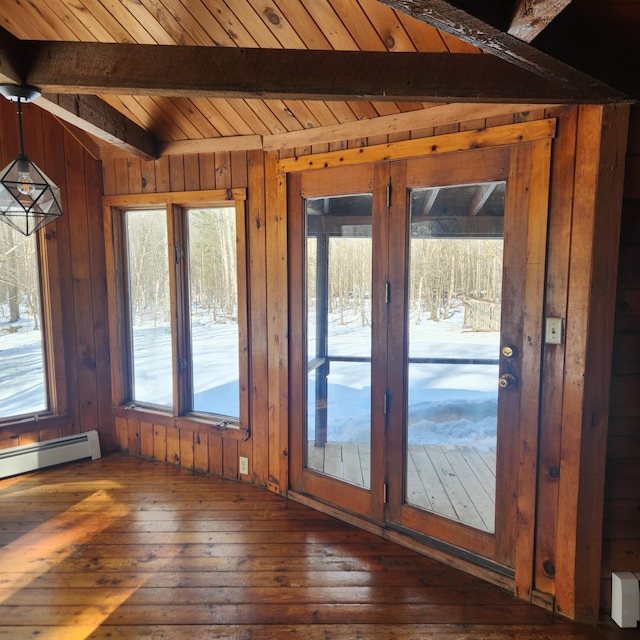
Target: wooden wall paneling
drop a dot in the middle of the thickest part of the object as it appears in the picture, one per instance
(229, 458)
(134, 166)
(257, 268)
(122, 434)
(277, 325)
(207, 168)
(176, 173)
(600, 149)
(621, 532)
(239, 169)
(173, 445)
(560, 218)
(121, 175)
(87, 392)
(60, 245)
(186, 449)
(215, 454)
(99, 297)
(148, 176)
(146, 439)
(29, 437)
(192, 172)
(133, 431)
(201, 452)
(160, 442)
(223, 169)
(163, 179)
(49, 434)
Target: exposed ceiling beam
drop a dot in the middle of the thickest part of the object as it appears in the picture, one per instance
(450, 19)
(94, 116)
(532, 16)
(219, 72)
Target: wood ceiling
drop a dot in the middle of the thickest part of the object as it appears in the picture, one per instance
(239, 71)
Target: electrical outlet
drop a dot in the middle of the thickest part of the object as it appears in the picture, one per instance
(244, 466)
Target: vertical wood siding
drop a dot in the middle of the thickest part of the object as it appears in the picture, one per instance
(77, 233)
(621, 535)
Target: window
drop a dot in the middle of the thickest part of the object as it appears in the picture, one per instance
(28, 357)
(181, 299)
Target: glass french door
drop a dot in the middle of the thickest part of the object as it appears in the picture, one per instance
(409, 356)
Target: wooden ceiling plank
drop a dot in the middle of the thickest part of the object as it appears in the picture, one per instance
(264, 113)
(246, 114)
(102, 20)
(193, 18)
(230, 24)
(424, 36)
(332, 26)
(163, 14)
(231, 114)
(253, 23)
(277, 23)
(322, 112)
(358, 25)
(135, 110)
(447, 18)
(388, 25)
(96, 117)
(100, 68)
(303, 113)
(156, 30)
(342, 111)
(455, 45)
(217, 120)
(65, 16)
(29, 23)
(436, 116)
(532, 16)
(192, 122)
(122, 15)
(286, 116)
(304, 25)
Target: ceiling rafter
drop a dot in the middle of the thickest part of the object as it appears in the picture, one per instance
(532, 16)
(445, 16)
(231, 72)
(86, 112)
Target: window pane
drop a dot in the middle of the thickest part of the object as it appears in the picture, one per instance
(214, 311)
(22, 367)
(147, 251)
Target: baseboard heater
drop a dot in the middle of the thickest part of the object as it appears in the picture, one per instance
(48, 453)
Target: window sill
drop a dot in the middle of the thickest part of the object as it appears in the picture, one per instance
(32, 423)
(188, 422)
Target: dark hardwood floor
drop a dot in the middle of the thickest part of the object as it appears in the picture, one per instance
(126, 548)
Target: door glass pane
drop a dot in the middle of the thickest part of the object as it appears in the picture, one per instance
(149, 307)
(214, 310)
(455, 285)
(22, 366)
(338, 264)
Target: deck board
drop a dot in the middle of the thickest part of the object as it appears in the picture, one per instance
(131, 549)
(454, 482)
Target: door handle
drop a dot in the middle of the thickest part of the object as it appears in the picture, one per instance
(507, 381)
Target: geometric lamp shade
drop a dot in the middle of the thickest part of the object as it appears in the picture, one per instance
(28, 198)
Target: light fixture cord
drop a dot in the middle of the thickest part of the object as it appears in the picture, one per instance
(19, 107)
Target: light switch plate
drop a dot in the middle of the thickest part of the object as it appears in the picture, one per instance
(553, 331)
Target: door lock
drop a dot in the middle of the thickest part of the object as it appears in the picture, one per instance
(507, 381)
(508, 351)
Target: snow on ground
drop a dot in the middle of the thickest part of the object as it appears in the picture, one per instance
(448, 404)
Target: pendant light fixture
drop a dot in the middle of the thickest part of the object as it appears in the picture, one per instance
(29, 200)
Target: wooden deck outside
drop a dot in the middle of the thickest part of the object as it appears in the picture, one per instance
(455, 482)
(123, 548)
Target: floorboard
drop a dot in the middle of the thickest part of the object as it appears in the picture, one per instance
(122, 548)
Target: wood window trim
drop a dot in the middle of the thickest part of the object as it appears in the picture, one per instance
(174, 203)
(52, 342)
